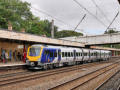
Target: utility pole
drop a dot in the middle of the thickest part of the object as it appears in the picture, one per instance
(52, 29)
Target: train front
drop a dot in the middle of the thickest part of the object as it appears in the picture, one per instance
(34, 56)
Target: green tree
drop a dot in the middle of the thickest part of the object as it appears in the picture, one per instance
(110, 31)
(19, 15)
(67, 33)
(16, 12)
(111, 46)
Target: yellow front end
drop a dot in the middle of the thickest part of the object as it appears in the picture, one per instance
(34, 58)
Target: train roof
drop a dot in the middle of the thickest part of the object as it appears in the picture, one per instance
(65, 48)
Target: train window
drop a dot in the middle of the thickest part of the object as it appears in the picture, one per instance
(46, 52)
(55, 54)
(84, 54)
(63, 54)
(59, 53)
(51, 54)
(79, 53)
(69, 54)
(92, 54)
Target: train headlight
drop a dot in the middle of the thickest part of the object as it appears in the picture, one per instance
(27, 62)
(32, 64)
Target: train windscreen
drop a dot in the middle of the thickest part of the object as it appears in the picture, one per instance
(34, 51)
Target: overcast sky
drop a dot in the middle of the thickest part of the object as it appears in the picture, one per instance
(71, 13)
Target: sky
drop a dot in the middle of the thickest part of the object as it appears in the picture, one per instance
(67, 14)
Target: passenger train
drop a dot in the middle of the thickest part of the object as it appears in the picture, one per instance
(44, 57)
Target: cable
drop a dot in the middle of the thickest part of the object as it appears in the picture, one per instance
(90, 13)
(100, 10)
(80, 22)
(53, 17)
(112, 20)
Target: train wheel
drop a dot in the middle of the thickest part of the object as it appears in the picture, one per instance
(51, 66)
(45, 67)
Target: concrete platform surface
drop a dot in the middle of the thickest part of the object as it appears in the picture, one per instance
(9, 64)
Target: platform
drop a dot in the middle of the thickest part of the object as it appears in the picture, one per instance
(11, 65)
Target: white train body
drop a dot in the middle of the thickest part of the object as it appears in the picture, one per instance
(58, 56)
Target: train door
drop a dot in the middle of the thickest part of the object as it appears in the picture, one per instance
(74, 51)
(59, 55)
(47, 56)
(44, 56)
(51, 55)
(82, 55)
(90, 54)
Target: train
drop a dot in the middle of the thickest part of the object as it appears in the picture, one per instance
(45, 57)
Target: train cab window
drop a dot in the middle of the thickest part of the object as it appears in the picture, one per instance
(55, 54)
(79, 53)
(69, 54)
(63, 55)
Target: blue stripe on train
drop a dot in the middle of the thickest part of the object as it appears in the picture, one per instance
(48, 55)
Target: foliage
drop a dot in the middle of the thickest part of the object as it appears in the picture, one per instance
(19, 15)
(66, 33)
(110, 31)
(112, 46)
(16, 12)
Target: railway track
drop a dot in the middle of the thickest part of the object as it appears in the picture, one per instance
(28, 72)
(110, 82)
(118, 88)
(14, 74)
(89, 81)
(32, 76)
(39, 72)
